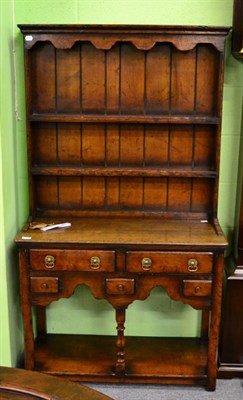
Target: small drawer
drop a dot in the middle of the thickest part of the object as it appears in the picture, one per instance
(72, 260)
(199, 288)
(169, 262)
(44, 284)
(120, 286)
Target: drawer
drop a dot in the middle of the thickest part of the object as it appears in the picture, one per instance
(169, 262)
(72, 260)
(120, 286)
(44, 284)
(198, 288)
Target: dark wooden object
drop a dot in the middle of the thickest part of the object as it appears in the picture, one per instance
(237, 31)
(17, 384)
(123, 142)
(231, 346)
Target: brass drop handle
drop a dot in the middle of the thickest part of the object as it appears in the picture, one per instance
(120, 287)
(49, 261)
(192, 265)
(146, 263)
(95, 262)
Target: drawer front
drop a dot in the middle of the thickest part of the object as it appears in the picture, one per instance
(120, 286)
(44, 284)
(169, 262)
(72, 260)
(198, 288)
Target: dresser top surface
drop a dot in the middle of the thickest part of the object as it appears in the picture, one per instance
(125, 231)
(122, 27)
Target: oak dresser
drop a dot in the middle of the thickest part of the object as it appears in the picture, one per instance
(124, 144)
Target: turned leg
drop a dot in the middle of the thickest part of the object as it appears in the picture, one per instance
(120, 343)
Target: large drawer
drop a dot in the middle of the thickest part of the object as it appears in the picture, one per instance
(169, 262)
(72, 260)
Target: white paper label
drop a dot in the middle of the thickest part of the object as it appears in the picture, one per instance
(28, 38)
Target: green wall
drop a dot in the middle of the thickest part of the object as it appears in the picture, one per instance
(10, 332)
(81, 313)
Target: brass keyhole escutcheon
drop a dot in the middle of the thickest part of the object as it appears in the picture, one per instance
(146, 263)
(192, 265)
(95, 262)
(49, 261)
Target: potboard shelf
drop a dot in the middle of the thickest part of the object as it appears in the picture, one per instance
(78, 352)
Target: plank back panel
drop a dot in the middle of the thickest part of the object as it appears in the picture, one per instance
(92, 79)
(124, 145)
(156, 145)
(181, 146)
(69, 192)
(44, 137)
(116, 195)
(183, 82)
(207, 80)
(113, 62)
(132, 80)
(68, 80)
(112, 144)
(93, 193)
(125, 80)
(93, 144)
(202, 195)
(147, 147)
(131, 145)
(158, 79)
(204, 147)
(131, 193)
(69, 143)
(43, 78)
(155, 194)
(148, 167)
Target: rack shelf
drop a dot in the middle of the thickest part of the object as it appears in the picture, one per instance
(141, 119)
(123, 171)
